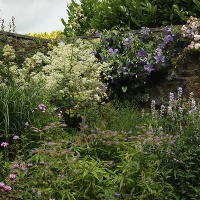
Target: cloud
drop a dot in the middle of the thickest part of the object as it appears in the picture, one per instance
(34, 15)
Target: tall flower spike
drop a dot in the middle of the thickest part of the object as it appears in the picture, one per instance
(171, 98)
(153, 108)
(180, 92)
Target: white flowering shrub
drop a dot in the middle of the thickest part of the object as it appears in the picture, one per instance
(70, 75)
(7, 66)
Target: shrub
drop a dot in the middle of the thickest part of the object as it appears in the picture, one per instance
(70, 76)
(139, 60)
(129, 14)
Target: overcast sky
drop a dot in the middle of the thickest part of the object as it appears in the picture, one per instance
(34, 16)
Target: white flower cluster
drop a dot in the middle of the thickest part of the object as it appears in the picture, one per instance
(7, 66)
(8, 53)
(69, 71)
(192, 30)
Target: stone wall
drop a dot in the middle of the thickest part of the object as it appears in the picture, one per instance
(185, 75)
(25, 46)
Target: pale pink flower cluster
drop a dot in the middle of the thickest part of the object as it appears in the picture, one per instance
(4, 144)
(4, 187)
(192, 30)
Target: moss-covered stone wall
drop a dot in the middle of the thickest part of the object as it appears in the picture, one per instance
(25, 46)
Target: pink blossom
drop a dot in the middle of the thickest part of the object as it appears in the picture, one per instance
(42, 163)
(29, 165)
(4, 144)
(12, 177)
(196, 37)
(15, 166)
(42, 107)
(7, 188)
(16, 137)
(26, 124)
(2, 185)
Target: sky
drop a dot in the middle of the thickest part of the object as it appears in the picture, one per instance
(33, 16)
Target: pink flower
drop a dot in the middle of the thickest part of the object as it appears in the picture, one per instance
(63, 125)
(42, 163)
(42, 107)
(15, 166)
(24, 168)
(16, 137)
(7, 188)
(196, 37)
(12, 177)
(29, 165)
(4, 144)
(26, 124)
(2, 185)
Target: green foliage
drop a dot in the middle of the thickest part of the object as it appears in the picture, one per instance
(129, 14)
(138, 61)
(158, 160)
(107, 117)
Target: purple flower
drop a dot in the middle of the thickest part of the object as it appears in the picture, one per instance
(98, 34)
(159, 51)
(180, 92)
(167, 30)
(113, 51)
(145, 31)
(24, 168)
(29, 165)
(149, 67)
(42, 107)
(193, 27)
(117, 195)
(170, 111)
(171, 97)
(193, 106)
(7, 188)
(127, 41)
(4, 144)
(26, 124)
(141, 53)
(16, 137)
(2, 185)
(162, 110)
(12, 177)
(168, 38)
(159, 58)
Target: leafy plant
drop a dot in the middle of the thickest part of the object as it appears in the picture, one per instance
(129, 14)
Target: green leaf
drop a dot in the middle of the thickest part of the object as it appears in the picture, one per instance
(124, 88)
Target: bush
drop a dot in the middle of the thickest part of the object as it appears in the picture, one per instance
(129, 14)
(69, 76)
(139, 61)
